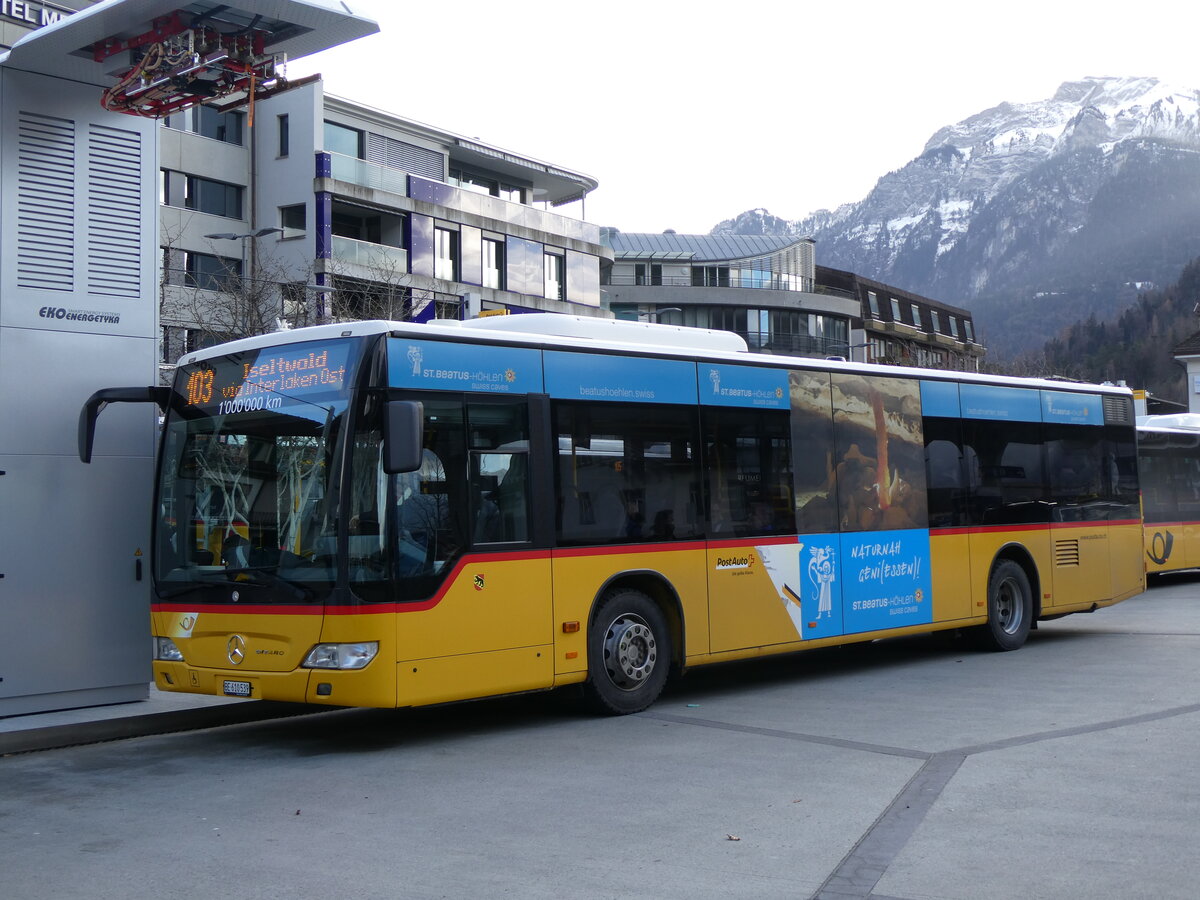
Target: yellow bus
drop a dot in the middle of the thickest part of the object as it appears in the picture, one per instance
(389, 514)
(1169, 472)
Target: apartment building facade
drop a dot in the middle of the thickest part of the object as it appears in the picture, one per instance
(898, 327)
(325, 209)
(761, 287)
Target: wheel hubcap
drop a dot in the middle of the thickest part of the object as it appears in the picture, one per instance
(630, 652)
(1009, 607)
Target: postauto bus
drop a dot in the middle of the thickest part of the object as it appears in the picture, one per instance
(388, 514)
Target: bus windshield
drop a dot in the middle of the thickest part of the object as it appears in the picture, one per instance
(246, 491)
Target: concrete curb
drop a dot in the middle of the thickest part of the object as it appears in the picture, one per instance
(55, 736)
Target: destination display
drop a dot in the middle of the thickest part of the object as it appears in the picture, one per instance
(269, 380)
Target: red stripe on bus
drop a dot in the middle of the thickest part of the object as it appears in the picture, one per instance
(771, 541)
(572, 552)
(994, 529)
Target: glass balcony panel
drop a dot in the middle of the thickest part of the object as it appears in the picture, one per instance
(361, 172)
(372, 256)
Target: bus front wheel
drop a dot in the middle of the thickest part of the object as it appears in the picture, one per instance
(1010, 608)
(629, 654)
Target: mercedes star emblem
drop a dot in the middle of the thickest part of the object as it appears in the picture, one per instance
(236, 649)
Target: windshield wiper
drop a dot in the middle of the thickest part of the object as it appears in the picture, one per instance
(295, 590)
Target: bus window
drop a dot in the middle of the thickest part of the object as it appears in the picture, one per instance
(812, 452)
(945, 473)
(749, 464)
(429, 504)
(626, 473)
(1007, 474)
(499, 435)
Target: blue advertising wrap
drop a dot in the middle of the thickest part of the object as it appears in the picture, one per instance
(751, 386)
(629, 379)
(986, 401)
(1071, 408)
(939, 398)
(448, 366)
(864, 581)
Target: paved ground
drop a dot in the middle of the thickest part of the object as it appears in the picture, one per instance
(913, 769)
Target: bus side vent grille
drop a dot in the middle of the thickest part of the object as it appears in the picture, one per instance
(1118, 410)
(45, 202)
(1066, 553)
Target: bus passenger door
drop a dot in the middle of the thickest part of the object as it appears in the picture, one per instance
(754, 557)
(480, 619)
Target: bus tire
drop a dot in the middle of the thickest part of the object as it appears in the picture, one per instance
(1010, 608)
(629, 654)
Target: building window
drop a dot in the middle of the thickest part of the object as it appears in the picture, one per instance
(493, 264)
(969, 329)
(213, 197)
(916, 315)
(655, 274)
(896, 310)
(877, 348)
(484, 184)
(284, 133)
(164, 187)
(953, 325)
(219, 126)
(445, 254)
(936, 320)
(710, 276)
(211, 273)
(555, 280)
(873, 303)
(343, 140)
(293, 220)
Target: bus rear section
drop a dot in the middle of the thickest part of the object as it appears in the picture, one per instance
(1169, 466)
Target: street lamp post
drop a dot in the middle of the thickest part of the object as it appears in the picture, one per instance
(249, 251)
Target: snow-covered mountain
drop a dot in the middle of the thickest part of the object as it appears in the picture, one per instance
(1033, 215)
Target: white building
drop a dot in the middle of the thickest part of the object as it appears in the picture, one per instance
(330, 209)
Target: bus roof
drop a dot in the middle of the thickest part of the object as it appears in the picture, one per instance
(619, 336)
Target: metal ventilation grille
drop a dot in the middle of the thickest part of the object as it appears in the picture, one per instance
(1066, 553)
(1118, 410)
(114, 202)
(45, 202)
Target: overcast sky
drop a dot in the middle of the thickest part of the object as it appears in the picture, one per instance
(690, 113)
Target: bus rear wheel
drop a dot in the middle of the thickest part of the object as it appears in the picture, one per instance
(629, 654)
(1010, 608)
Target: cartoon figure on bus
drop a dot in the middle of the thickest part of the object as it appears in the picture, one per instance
(822, 573)
(414, 357)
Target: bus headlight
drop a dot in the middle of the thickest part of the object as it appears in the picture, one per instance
(341, 656)
(165, 650)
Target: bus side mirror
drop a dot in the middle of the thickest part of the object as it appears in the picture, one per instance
(403, 436)
(101, 399)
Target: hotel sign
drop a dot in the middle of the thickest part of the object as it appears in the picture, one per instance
(32, 13)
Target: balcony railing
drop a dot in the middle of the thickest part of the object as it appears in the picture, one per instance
(397, 181)
(795, 344)
(501, 210)
(769, 281)
(379, 257)
(361, 172)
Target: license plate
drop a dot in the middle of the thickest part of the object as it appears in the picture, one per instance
(237, 689)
